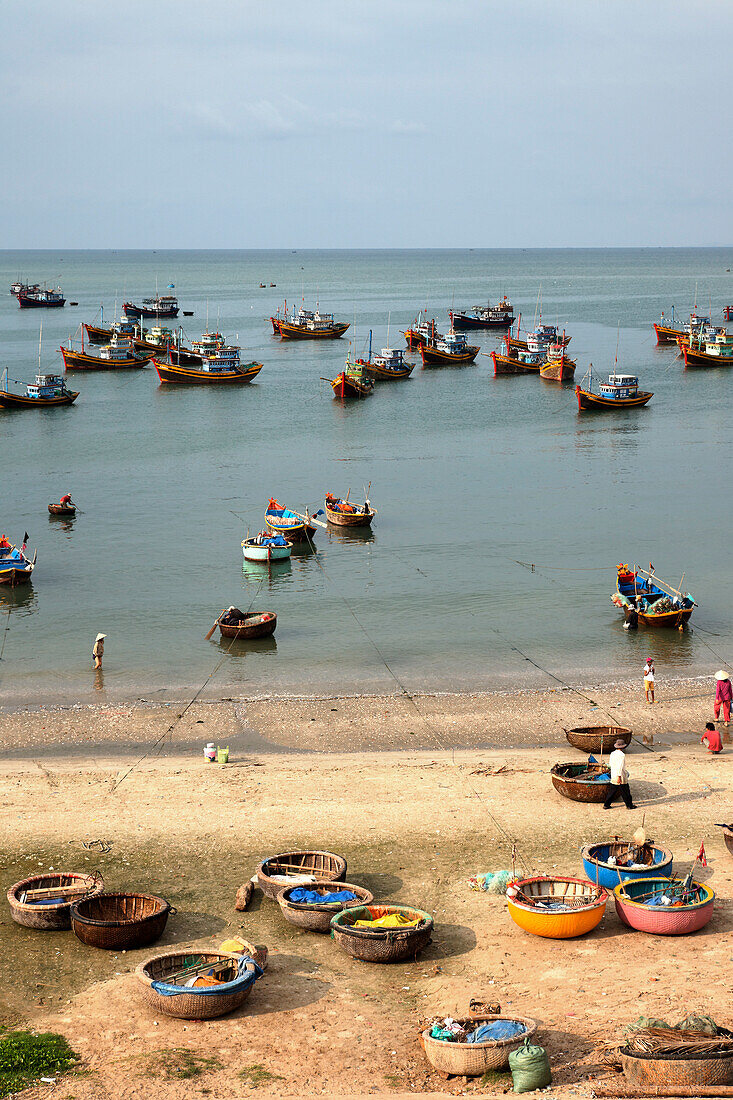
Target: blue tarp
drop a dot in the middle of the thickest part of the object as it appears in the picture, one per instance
(244, 978)
(311, 897)
(497, 1029)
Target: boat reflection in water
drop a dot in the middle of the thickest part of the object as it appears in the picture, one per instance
(21, 600)
(351, 534)
(246, 647)
(274, 572)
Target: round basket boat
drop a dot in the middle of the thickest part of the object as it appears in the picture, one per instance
(709, 1069)
(597, 738)
(584, 904)
(198, 1003)
(384, 945)
(299, 869)
(118, 922)
(565, 781)
(316, 916)
(662, 920)
(474, 1059)
(598, 869)
(62, 509)
(728, 838)
(44, 901)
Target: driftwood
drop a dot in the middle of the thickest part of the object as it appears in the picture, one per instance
(663, 1090)
(244, 896)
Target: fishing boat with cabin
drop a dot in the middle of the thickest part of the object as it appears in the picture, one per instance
(616, 861)
(162, 305)
(307, 324)
(390, 365)
(648, 601)
(344, 513)
(707, 351)
(451, 350)
(557, 367)
(517, 360)
(15, 567)
(294, 526)
(538, 340)
(673, 332)
(354, 381)
(118, 354)
(207, 345)
(219, 365)
(556, 908)
(499, 316)
(421, 332)
(48, 391)
(620, 392)
(36, 297)
(266, 547)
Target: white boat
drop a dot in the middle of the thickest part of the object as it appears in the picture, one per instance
(266, 547)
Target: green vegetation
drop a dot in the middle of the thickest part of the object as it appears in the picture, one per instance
(257, 1075)
(181, 1064)
(25, 1057)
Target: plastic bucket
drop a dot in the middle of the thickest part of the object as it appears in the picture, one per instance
(222, 755)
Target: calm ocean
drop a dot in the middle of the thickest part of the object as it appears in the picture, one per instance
(471, 477)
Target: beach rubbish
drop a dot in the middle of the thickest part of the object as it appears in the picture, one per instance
(244, 896)
(210, 752)
(497, 1029)
(530, 1067)
(222, 755)
(492, 883)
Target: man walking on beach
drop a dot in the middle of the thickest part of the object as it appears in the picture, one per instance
(619, 778)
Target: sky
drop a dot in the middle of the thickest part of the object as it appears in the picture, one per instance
(365, 123)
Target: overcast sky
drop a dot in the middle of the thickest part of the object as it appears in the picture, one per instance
(365, 123)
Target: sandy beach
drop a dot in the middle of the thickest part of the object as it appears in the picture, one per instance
(418, 795)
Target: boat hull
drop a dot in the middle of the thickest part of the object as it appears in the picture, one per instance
(579, 791)
(344, 386)
(666, 335)
(609, 875)
(505, 364)
(11, 578)
(557, 926)
(663, 920)
(592, 402)
(26, 302)
(350, 519)
(265, 554)
(184, 357)
(462, 322)
(301, 332)
(77, 360)
(434, 357)
(600, 739)
(382, 375)
(702, 359)
(254, 626)
(558, 370)
(20, 401)
(62, 510)
(168, 372)
(131, 310)
(98, 335)
(414, 339)
(293, 529)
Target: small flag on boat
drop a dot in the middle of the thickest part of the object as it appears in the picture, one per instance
(171, 286)
(701, 857)
(26, 536)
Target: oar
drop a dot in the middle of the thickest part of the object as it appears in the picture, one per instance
(310, 519)
(222, 612)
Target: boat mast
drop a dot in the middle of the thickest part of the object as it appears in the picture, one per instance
(40, 342)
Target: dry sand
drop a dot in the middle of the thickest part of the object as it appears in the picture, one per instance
(410, 793)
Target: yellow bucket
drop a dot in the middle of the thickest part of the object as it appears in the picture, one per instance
(222, 755)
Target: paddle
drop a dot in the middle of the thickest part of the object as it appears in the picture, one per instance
(222, 612)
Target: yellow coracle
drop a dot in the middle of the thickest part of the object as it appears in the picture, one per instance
(558, 925)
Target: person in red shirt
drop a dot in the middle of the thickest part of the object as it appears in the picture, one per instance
(65, 499)
(723, 696)
(712, 738)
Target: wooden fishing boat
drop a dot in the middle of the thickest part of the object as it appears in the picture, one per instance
(556, 908)
(512, 364)
(382, 945)
(578, 782)
(667, 334)
(617, 861)
(266, 547)
(46, 392)
(558, 367)
(15, 567)
(117, 355)
(119, 922)
(649, 601)
(307, 324)
(206, 375)
(196, 985)
(499, 316)
(35, 297)
(672, 332)
(620, 392)
(421, 332)
(344, 513)
(452, 349)
(354, 381)
(389, 365)
(44, 902)
(97, 334)
(162, 305)
(246, 625)
(316, 916)
(690, 908)
(475, 1059)
(598, 739)
(294, 526)
(299, 869)
(538, 340)
(715, 352)
(62, 509)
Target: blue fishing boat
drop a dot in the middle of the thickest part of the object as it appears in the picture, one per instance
(648, 601)
(294, 526)
(15, 567)
(618, 861)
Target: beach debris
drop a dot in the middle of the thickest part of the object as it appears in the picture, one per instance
(530, 1068)
(237, 945)
(100, 845)
(492, 883)
(483, 1008)
(244, 896)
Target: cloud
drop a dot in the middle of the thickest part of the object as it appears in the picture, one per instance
(399, 127)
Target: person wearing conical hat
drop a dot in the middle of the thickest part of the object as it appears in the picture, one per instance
(98, 650)
(619, 786)
(723, 696)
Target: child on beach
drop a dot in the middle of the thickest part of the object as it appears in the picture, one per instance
(649, 680)
(712, 738)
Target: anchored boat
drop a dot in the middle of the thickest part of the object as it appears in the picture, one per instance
(708, 351)
(343, 513)
(488, 316)
(307, 324)
(15, 567)
(218, 364)
(118, 354)
(46, 392)
(294, 526)
(421, 332)
(620, 392)
(266, 547)
(452, 349)
(162, 305)
(354, 381)
(243, 625)
(646, 599)
(35, 297)
(557, 367)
